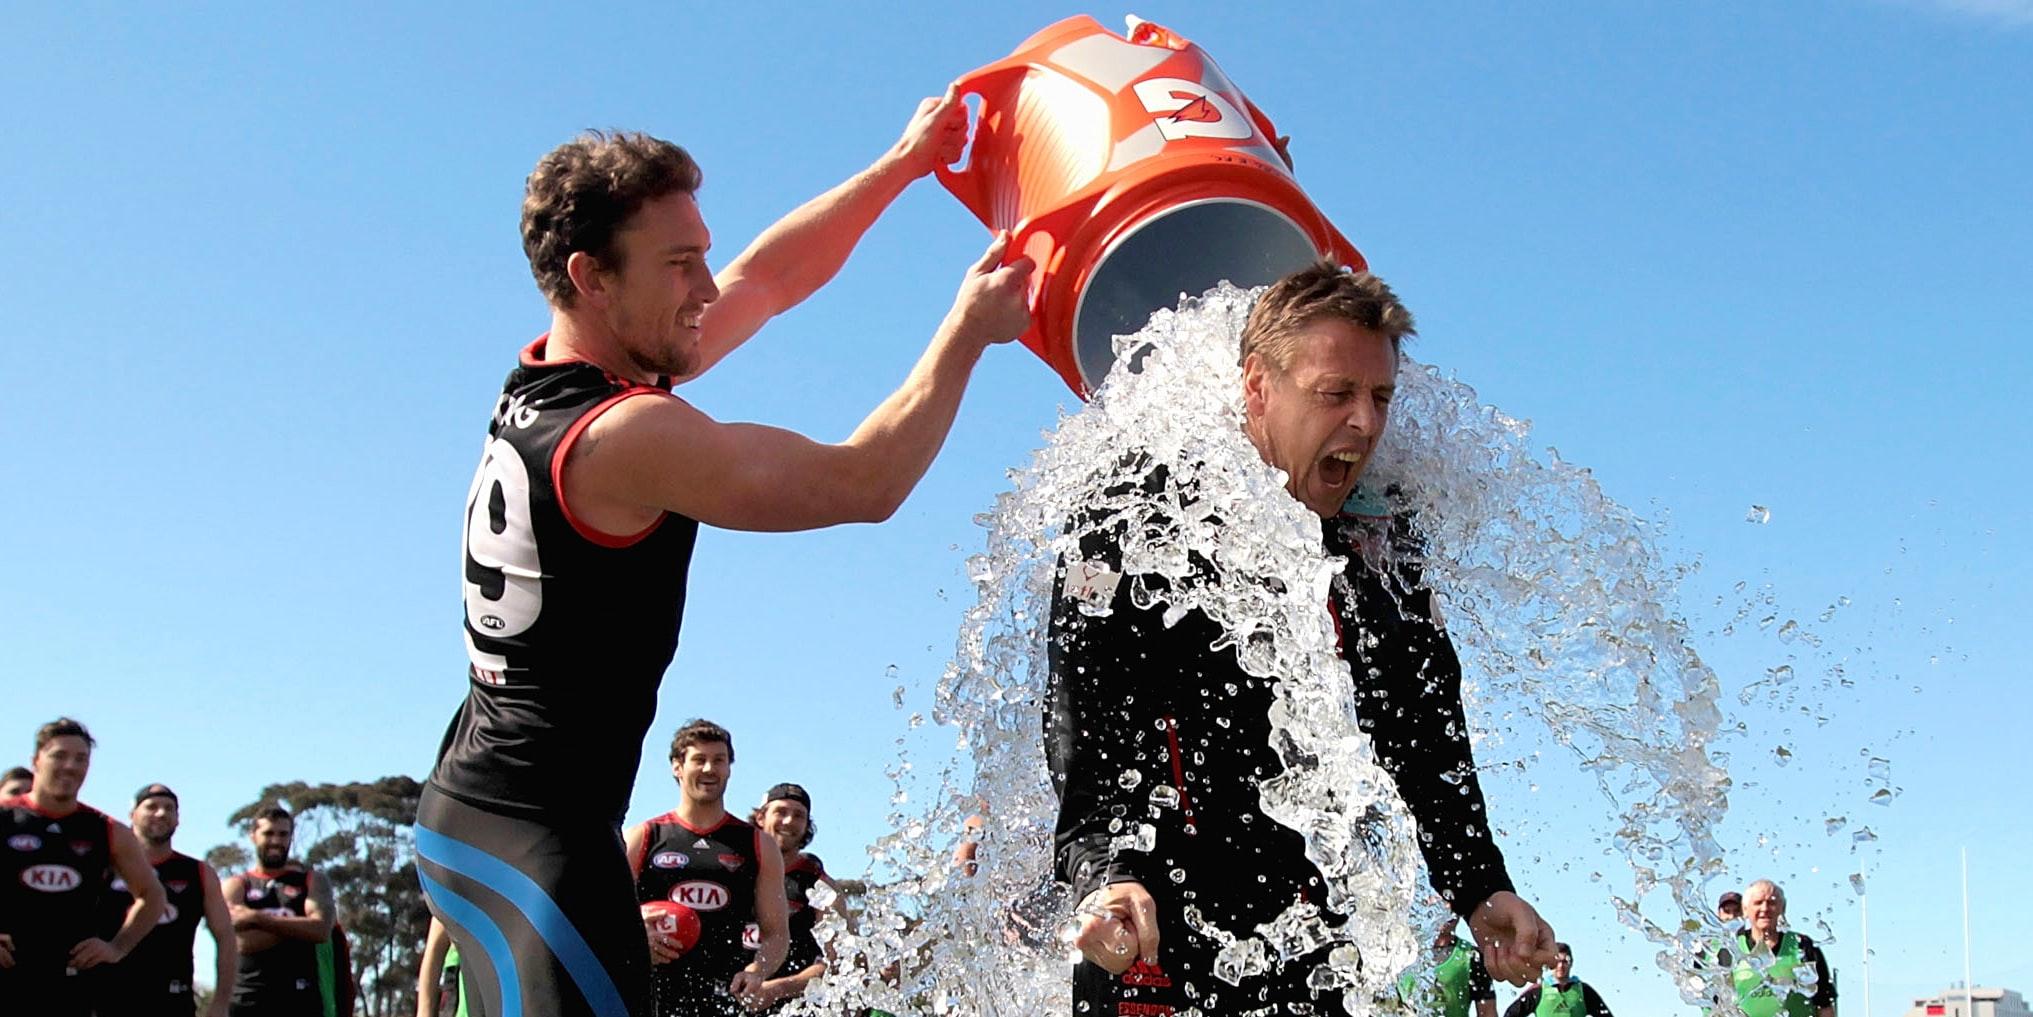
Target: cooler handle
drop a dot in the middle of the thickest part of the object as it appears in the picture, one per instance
(971, 185)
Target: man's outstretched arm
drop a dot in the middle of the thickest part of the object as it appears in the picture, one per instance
(805, 249)
(662, 454)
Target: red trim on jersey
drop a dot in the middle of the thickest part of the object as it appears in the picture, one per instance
(533, 354)
(564, 450)
(677, 820)
(805, 861)
(640, 856)
(1178, 769)
(27, 801)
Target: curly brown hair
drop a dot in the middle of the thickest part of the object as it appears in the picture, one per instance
(699, 731)
(585, 191)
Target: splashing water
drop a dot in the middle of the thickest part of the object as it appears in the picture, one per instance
(1556, 597)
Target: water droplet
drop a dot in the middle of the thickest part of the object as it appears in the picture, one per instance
(1759, 515)
(1129, 779)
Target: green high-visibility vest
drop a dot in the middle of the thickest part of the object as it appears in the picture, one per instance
(1754, 990)
(1449, 995)
(1566, 1001)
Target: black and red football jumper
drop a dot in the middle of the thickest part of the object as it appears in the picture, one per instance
(568, 632)
(283, 979)
(155, 977)
(53, 873)
(713, 872)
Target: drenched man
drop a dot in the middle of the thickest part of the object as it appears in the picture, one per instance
(581, 521)
(1139, 700)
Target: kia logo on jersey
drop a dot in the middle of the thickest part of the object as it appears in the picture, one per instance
(668, 860)
(751, 936)
(51, 878)
(25, 842)
(700, 895)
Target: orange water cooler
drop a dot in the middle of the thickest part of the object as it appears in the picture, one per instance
(1132, 171)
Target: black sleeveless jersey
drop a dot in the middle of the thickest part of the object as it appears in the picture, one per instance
(712, 872)
(568, 629)
(52, 881)
(159, 966)
(799, 878)
(289, 969)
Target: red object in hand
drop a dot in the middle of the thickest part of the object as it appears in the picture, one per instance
(674, 920)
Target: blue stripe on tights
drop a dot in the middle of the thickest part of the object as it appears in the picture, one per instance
(542, 913)
(467, 915)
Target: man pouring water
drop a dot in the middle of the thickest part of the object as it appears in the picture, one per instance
(1143, 699)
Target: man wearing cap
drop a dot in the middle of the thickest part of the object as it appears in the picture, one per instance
(55, 852)
(155, 980)
(1560, 994)
(701, 858)
(786, 815)
(1729, 908)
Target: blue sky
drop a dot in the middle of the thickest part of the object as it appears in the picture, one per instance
(263, 282)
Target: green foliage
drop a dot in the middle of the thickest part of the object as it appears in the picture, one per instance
(361, 838)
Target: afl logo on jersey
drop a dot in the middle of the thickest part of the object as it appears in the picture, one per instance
(25, 842)
(492, 622)
(255, 893)
(119, 885)
(700, 895)
(51, 878)
(669, 860)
